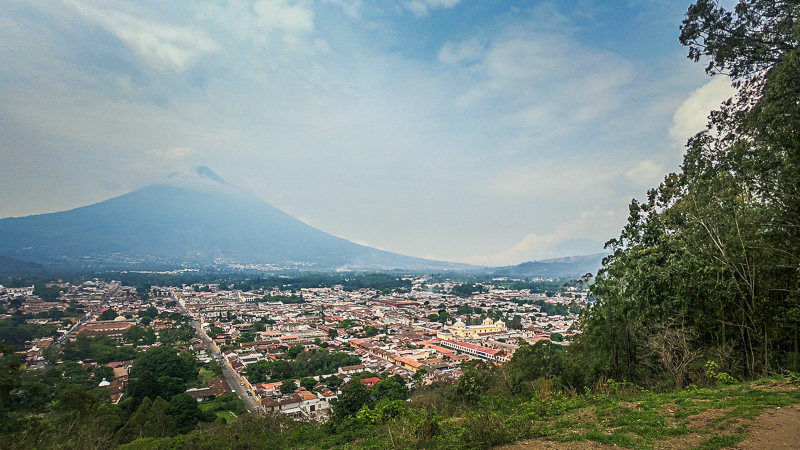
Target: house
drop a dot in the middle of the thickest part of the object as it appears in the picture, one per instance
(370, 382)
(350, 370)
(113, 329)
(284, 404)
(216, 386)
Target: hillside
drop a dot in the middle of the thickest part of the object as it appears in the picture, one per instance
(566, 267)
(205, 222)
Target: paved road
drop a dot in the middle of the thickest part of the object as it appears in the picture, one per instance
(230, 375)
(113, 288)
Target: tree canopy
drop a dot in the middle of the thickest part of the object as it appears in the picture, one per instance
(707, 267)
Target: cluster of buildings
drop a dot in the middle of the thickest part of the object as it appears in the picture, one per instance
(424, 334)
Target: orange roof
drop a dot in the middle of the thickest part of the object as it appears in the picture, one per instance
(305, 395)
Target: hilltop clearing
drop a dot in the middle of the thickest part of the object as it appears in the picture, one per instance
(758, 415)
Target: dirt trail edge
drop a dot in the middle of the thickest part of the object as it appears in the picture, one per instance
(774, 429)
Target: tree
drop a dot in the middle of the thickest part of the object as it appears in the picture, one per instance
(108, 314)
(354, 397)
(149, 420)
(185, 412)
(332, 333)
(390, 389)
(51, 355)
(288, 386)
(471, 384)
(134, 335)
(294, 351)
(164, 361)
(308, 382)
(712, 253)
(10, 374)
(102, 372)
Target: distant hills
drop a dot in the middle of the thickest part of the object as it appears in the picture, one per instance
(202, 221)
(570, 266)
(11, 266)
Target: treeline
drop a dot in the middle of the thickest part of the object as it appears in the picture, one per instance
(708, 266)
(286, 299)
(63, 406)
(303, 364)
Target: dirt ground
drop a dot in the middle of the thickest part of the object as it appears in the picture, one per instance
(777, 428)
(774, 429)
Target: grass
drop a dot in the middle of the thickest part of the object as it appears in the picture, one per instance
(715, 418)
(205, 375)
(229, 416)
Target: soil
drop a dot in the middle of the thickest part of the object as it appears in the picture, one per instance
(774, 429)
(777, 428)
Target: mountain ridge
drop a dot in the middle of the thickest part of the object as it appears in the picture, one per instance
(198, 221)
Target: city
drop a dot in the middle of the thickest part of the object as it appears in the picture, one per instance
(415, 337)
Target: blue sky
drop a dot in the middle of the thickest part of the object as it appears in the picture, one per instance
(489, 132)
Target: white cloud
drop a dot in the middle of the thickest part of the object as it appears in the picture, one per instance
(160, 44)
(422, 7)
(260, 22)
(596, 224)
(645, 174)
(279, 16)
(552, 178)
(456, 52)
(157, 163)
(692, 116)
(350, 7)
(543, 82)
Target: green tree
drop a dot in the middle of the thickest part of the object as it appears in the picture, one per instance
(711, 254)
(101, 372)
(294, 351)
(471, 384)
(390, 389)
(308, 382)
(134, 335)
(288, 386)
(354, 396)
(185, 412)
(108, 314)
(10, 375)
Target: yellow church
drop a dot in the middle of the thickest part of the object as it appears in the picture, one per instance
(461, 331)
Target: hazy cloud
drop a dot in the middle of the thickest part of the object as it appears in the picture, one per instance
(646, 174)
(423, 7)
(479, 131)
(160, 44)
(596, 225)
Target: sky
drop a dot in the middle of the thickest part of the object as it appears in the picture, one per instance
(489, 132)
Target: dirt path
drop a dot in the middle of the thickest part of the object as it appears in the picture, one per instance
(774, 429)
(777, 428)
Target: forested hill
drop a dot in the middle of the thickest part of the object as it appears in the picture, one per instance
(708, 266)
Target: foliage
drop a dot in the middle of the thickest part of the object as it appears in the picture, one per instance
(285, 299)
(108, 314)
(305, 364)
(708, 263)
(354, 396)
(16, 332)
(96, 348)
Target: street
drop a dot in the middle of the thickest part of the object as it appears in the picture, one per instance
(230, 375)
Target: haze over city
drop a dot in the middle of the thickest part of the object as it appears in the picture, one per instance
(467, 131)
